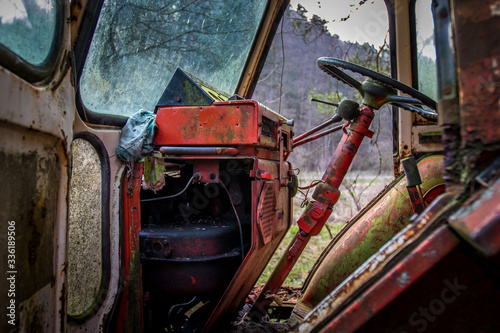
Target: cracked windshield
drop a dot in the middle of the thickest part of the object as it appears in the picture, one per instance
(356, 32)
(138, 45)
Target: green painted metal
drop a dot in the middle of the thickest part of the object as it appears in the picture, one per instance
(385, 216)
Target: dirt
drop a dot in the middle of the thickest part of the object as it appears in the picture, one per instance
(244, 324)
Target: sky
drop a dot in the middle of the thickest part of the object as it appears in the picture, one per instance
(367, 23)
(11, 10)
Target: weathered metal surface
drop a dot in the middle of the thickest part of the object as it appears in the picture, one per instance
(36, 126)
(242, 122)
(363, 236)
(478, 221)
(411, 171)
(259, 254)
(413, 181)
(434, 192)
(33, 169)
(199, 150)
(185, 89)
(327, 193)
(77, 12)
(33, 107)
(477, 49)
(448, 104)
(428, 254)
(347, 308)
(415, 196)
(220, 123)
(130, 309)
(193, 259)
(267, 212)
(488, 174)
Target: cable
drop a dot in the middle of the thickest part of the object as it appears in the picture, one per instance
(237, 218)
(196, 176)
(283, 65)
(313, 183)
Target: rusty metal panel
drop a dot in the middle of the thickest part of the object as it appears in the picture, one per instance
(130, 317)
(477, 48)
(31, 167)
(231, 123)
(428, 254)
(365, 234)
(266, 212)
(259, 254)
(347, 308)
(478, 221)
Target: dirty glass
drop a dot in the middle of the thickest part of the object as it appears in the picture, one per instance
(85, 231)
(426, 50)
(27, 27)
(138, 45)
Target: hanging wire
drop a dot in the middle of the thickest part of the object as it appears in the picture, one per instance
(237, 218)
(196, 176)
(310, 186)
(306, 201)
(283, 65)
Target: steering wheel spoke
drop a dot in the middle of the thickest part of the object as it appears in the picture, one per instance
(429, 115)
(379, 89)
(403, 99)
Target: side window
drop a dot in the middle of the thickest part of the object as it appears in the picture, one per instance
(29, 30)
(87, 230)
(425, 49)
(354, 31)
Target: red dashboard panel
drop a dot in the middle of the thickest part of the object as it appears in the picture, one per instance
(226, 123)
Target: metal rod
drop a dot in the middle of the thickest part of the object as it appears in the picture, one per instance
(317, 136)
(324, 102)
(171, 150)
(333, 120)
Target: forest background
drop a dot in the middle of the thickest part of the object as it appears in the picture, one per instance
(290, 78)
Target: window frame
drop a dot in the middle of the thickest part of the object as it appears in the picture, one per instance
(37, 73)
(105, 229)
(394, 74)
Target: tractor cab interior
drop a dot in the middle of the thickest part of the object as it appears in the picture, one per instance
(147, 187)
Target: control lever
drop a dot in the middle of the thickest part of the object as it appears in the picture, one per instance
(324, 102)
(413, 184)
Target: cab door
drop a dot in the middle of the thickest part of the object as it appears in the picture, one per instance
(36, 130)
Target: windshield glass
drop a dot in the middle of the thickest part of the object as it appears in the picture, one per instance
(138, 44)
(28, 28)
(426, 50)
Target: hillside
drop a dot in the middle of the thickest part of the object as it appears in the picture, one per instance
(304, 41)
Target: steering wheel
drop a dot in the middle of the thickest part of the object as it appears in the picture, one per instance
(379, 89)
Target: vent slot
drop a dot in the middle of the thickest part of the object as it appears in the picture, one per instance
(266, 213)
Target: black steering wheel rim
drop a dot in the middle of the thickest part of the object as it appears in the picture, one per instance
(332, 67)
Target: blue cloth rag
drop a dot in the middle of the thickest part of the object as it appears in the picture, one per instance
(136, 139)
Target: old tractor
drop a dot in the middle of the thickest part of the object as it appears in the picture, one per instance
(163, 219)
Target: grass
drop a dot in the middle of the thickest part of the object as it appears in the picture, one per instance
(306, 260)
(342, 212)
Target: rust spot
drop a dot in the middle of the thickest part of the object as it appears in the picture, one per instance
(62, 299)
